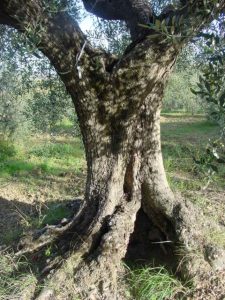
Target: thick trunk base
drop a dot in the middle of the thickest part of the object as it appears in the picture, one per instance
(93, 267)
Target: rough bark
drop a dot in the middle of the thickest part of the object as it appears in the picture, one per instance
(118, 104)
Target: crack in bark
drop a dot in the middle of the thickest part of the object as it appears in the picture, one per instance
(129, 180)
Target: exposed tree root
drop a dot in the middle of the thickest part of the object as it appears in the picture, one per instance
(38, 239)
(94, 267)
(91, 268)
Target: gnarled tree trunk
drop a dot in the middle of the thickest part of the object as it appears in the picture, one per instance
(125, 168)
(118, 103)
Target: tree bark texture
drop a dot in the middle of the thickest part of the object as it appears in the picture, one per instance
(118, 103)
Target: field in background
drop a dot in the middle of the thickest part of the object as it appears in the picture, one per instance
(184, 140)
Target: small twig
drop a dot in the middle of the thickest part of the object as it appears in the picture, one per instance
(80, 54)
(162, 242)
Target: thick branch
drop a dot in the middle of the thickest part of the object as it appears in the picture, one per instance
(133, 12)
(59, 37)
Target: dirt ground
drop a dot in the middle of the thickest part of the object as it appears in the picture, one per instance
(19, 204)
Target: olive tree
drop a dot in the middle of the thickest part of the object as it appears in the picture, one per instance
(118, 103)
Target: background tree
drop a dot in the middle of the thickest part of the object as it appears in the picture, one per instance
(211, 89)
(118, 102)
(211, 85)
(32, 98)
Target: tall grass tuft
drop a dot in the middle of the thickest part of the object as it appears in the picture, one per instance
(156, 283)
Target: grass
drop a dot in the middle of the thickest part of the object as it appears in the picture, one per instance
(16, 278)
(184, 139)
(216, 236)
(7, 150)
(188, 131)
(149, 283)
(37, 159)
(52, 214)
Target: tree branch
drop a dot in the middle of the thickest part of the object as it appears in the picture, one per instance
(58, 36)
(133, 12)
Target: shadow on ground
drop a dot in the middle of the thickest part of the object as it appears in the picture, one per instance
(17, 218)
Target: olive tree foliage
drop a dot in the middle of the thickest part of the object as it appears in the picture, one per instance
(47, 102)
(12, 89)
(10, 102)
(211, 88)
(211, 85)
(113, 35)
(178, 96)
(32, 97)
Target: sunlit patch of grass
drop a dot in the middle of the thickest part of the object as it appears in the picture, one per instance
(15, 167)
(16, 278)
(40, 159)
(184, 185)
(149, 283)
(57, 150)
(182, 143)
(59, 157)
(177, 156)
(181, 114)
(180, 127)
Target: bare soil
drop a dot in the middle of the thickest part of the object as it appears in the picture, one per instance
(19, 204)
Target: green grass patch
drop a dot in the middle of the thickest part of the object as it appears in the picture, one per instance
(181, 114)
(57, 150)
(67, 127)
(188, 132)
(184, 143)
(184, 185)
(40, 158)
(216, 237)
(59, 157)
(149, 283)
(15, 167)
